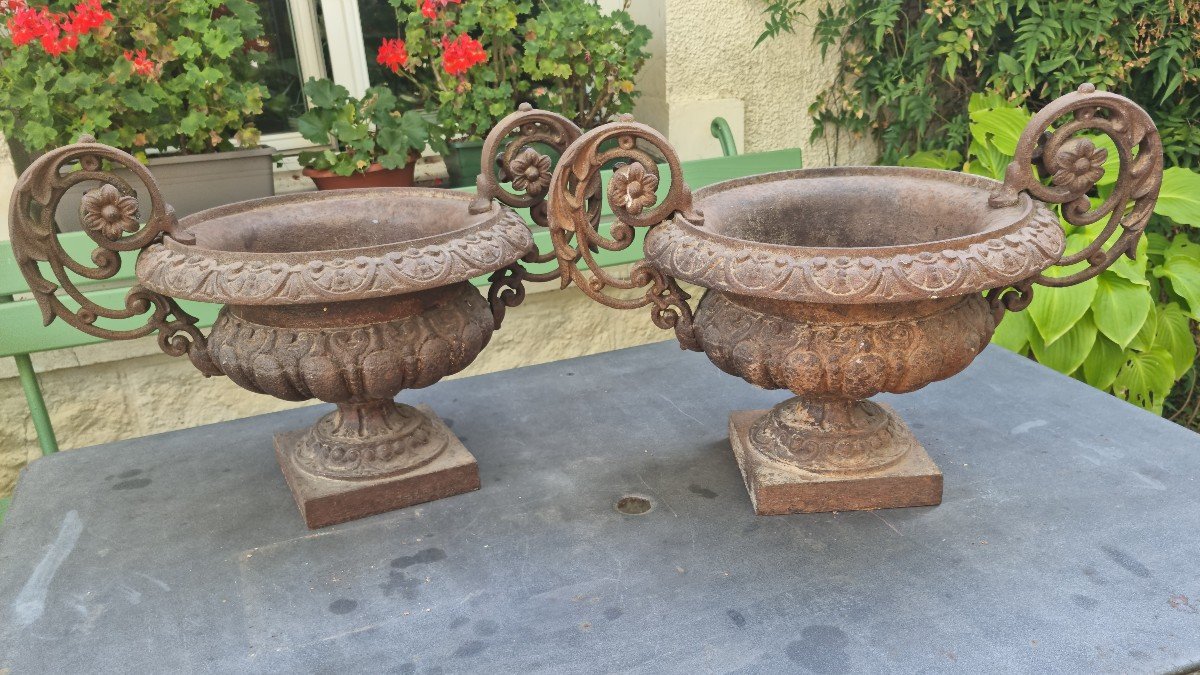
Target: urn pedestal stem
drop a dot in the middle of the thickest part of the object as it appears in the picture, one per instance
(367, 440)
(832, 436)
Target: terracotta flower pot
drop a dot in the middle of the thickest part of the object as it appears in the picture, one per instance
(374, 176)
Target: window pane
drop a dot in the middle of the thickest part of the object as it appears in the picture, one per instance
(279, 70)
(378, 22)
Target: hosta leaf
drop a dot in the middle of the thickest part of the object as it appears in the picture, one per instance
(1068, 352)
(1013, 332)
(1146, 337)
(1156, 244)
(1179, 198)
(1132, 270)
(1174, 336)
(1120, 308)
(1102, 363)
(1145, 378)
(1001, 126)
(1112, 159)
(1055, 310)
(933, 159)
(1182, 268)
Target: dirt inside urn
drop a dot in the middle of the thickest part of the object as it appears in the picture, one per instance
(853, 211)
(330, 221)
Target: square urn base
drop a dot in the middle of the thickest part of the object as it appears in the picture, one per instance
(328, 501)
(776, 488)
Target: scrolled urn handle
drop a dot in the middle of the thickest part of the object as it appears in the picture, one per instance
(1075, 165)
(512, 156)
(632, 196)
(111, 217)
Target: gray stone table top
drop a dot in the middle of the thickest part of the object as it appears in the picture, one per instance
(1066, 542)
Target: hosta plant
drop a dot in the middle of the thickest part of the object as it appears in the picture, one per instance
(1129, 330)
(173, 75)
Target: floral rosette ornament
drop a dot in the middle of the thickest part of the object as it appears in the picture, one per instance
(109, 213)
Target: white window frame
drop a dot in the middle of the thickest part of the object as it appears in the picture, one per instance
(347, 56)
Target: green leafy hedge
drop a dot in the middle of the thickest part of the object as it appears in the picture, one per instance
(907, 67)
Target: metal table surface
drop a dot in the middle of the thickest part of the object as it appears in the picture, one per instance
(1065, 542)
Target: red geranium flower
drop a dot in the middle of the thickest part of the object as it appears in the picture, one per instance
(393, 53)
(86, 16)
(460, 55)
(56, 45)
(430, 7)
(141, 64)
(27, 24)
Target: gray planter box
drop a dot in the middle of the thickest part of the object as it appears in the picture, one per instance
(192, 183)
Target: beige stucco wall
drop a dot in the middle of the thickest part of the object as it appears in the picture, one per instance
(710, 55)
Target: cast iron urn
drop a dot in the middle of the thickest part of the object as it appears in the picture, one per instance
(345, 296)
(841, 283)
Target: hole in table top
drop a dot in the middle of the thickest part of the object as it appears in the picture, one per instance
(633, 505)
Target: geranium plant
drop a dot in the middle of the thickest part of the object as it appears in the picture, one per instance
(173, 75)
(361, 132)
(476, 60)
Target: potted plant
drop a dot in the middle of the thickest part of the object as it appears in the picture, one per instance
(476, 60)
(372, 144)
(172, 83)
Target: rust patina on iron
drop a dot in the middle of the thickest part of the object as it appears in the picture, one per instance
(348, 297)
(841, 283)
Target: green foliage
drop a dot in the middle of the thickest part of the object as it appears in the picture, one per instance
(196, 93)
(907, 67)
(362, 131)
(1127, 330)
(581, 62)
(565, 56)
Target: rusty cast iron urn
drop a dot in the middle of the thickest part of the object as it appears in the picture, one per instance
(347, 296)
(841, 283)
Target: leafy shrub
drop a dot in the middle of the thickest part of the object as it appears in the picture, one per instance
(1128, 330)
(138, 74)
(362, 131)
(907, 67)
(474, 61)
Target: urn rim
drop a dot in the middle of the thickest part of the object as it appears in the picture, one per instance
(1008, 246)
(416, 239)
